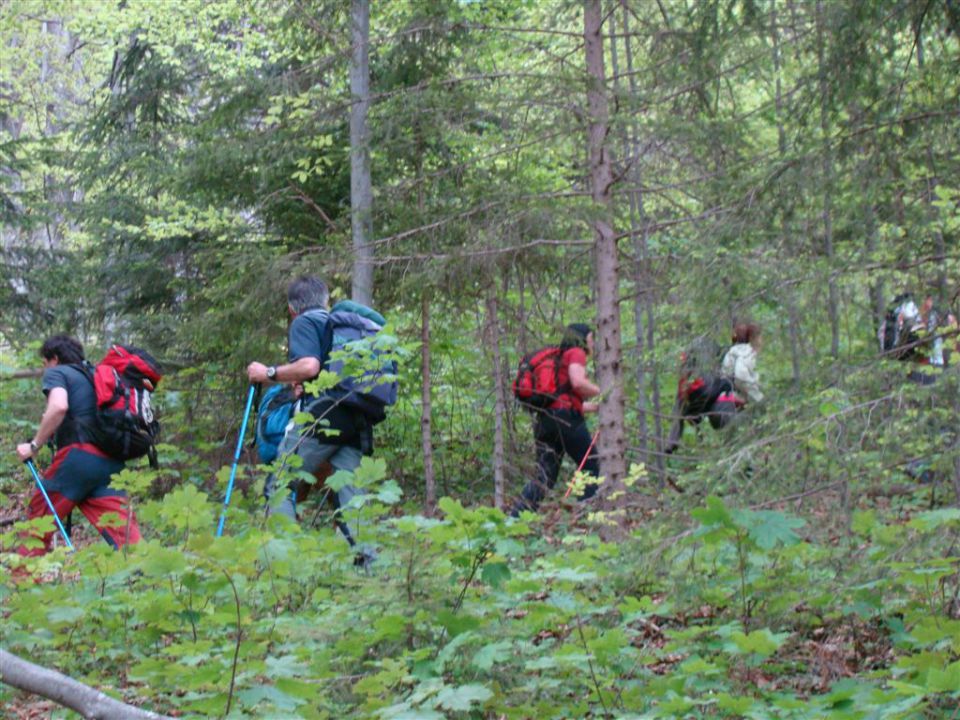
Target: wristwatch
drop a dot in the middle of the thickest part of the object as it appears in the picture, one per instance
(272, 372)
(33, 446)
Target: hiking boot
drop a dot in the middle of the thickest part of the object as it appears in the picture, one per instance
(365, 558)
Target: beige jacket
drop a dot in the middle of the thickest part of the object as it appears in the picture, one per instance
(740, 363)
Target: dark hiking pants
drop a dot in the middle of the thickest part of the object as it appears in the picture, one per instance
(558, 432)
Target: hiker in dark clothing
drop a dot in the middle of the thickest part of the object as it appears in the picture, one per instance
(561, 427)
(79, 475)
(310, 340)
(701, 391)
(921, 335)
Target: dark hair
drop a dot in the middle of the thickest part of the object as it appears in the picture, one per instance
(745, 333)
(67, 350)
(575, 336)
(306, 293)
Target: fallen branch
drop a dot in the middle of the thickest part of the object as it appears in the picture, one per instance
(66, 691)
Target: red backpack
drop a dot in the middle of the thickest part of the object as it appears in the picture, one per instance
(125, 427)
(536, 385)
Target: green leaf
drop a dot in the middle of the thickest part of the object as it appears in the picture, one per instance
(406, 713)
(65, 614)
(767, 528)
(389, 493)
(715, 513)
(829, 408)
(456, 624)
(299, 689)
(933, 519)
(495, 574)
(271, 695)
(490, 655)
(735, 705)
(946, 680)
(760, 642)
(339, 480)
(864, 521)
(463, 697)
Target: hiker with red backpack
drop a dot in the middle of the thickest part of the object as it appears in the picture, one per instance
(79, 475)
(702, 392)
(553, 384)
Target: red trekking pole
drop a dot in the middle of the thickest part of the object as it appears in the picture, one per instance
(582, 463)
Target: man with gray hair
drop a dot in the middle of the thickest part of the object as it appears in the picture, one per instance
(310, 340)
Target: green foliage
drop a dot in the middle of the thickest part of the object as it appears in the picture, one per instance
(165, 171)
(474, 612)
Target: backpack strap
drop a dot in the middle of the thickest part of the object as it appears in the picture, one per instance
(567, 387)
(324, 316)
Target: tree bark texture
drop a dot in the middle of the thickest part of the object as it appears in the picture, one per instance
(426, 434)
(793, 315)
(611, 443)
(631, 150)
(90, 703)
(833, 294)
(500, 399)
(361, 193)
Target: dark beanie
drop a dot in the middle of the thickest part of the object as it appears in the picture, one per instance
(575, 336)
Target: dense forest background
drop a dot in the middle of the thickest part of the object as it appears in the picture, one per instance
(485, 173)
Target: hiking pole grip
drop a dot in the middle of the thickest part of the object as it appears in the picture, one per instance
(236, 458)
(256, 404)
(36, 476)
(582, 463)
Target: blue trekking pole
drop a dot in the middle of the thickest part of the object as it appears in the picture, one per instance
(236, 458)
(36, 476)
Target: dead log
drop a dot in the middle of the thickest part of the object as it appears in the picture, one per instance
(90, 703)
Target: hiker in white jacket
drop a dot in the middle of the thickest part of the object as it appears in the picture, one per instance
(740, 362)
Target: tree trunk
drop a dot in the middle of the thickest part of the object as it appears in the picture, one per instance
(611, 444)
(793, 315)
(500, 398)
(630, 158)
(90, 703)
(361, 193)
(940, 245)
(426, 437)
(877, 292)
(644, 299)
(833, 299)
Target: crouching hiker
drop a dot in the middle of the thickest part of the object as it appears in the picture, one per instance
(79, 475)
(553, 383)
(701, 391)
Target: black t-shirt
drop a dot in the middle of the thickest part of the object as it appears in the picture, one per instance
(310, 335)
(81, 399)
